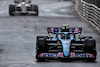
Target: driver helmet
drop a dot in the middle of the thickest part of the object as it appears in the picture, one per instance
(62, 36)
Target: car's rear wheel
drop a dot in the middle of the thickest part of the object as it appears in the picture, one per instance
(11, 9)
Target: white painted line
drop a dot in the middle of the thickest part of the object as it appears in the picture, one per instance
(63, 10)
(4, 2)
(48, 10)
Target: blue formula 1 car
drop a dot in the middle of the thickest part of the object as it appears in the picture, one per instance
(66, 45)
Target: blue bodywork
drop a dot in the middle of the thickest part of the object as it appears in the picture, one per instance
(65, 42)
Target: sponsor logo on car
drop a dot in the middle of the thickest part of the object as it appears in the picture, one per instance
(60, 54)
(84, 55)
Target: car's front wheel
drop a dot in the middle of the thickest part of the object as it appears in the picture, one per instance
(90, 47)
(36, 10)
(41, 47)
(11, 9)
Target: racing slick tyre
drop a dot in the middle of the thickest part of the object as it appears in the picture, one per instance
(42, 44)
(41, 47)
(90, 47)
(36, 10)
(11, 9)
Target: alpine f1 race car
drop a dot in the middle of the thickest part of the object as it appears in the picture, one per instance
(67, 44)
(23, 7)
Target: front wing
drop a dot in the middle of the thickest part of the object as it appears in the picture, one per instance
(72, 55)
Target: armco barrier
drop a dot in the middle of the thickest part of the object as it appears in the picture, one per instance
(89, 11)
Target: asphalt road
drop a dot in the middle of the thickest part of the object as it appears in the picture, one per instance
(18, 34)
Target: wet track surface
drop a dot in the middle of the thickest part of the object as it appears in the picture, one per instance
(18, 34)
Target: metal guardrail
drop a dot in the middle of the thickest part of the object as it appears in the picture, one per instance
(89, 11)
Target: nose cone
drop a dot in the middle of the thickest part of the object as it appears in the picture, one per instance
(66, 47)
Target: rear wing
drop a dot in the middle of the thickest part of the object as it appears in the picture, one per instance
(17, 1)
(55, 30)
